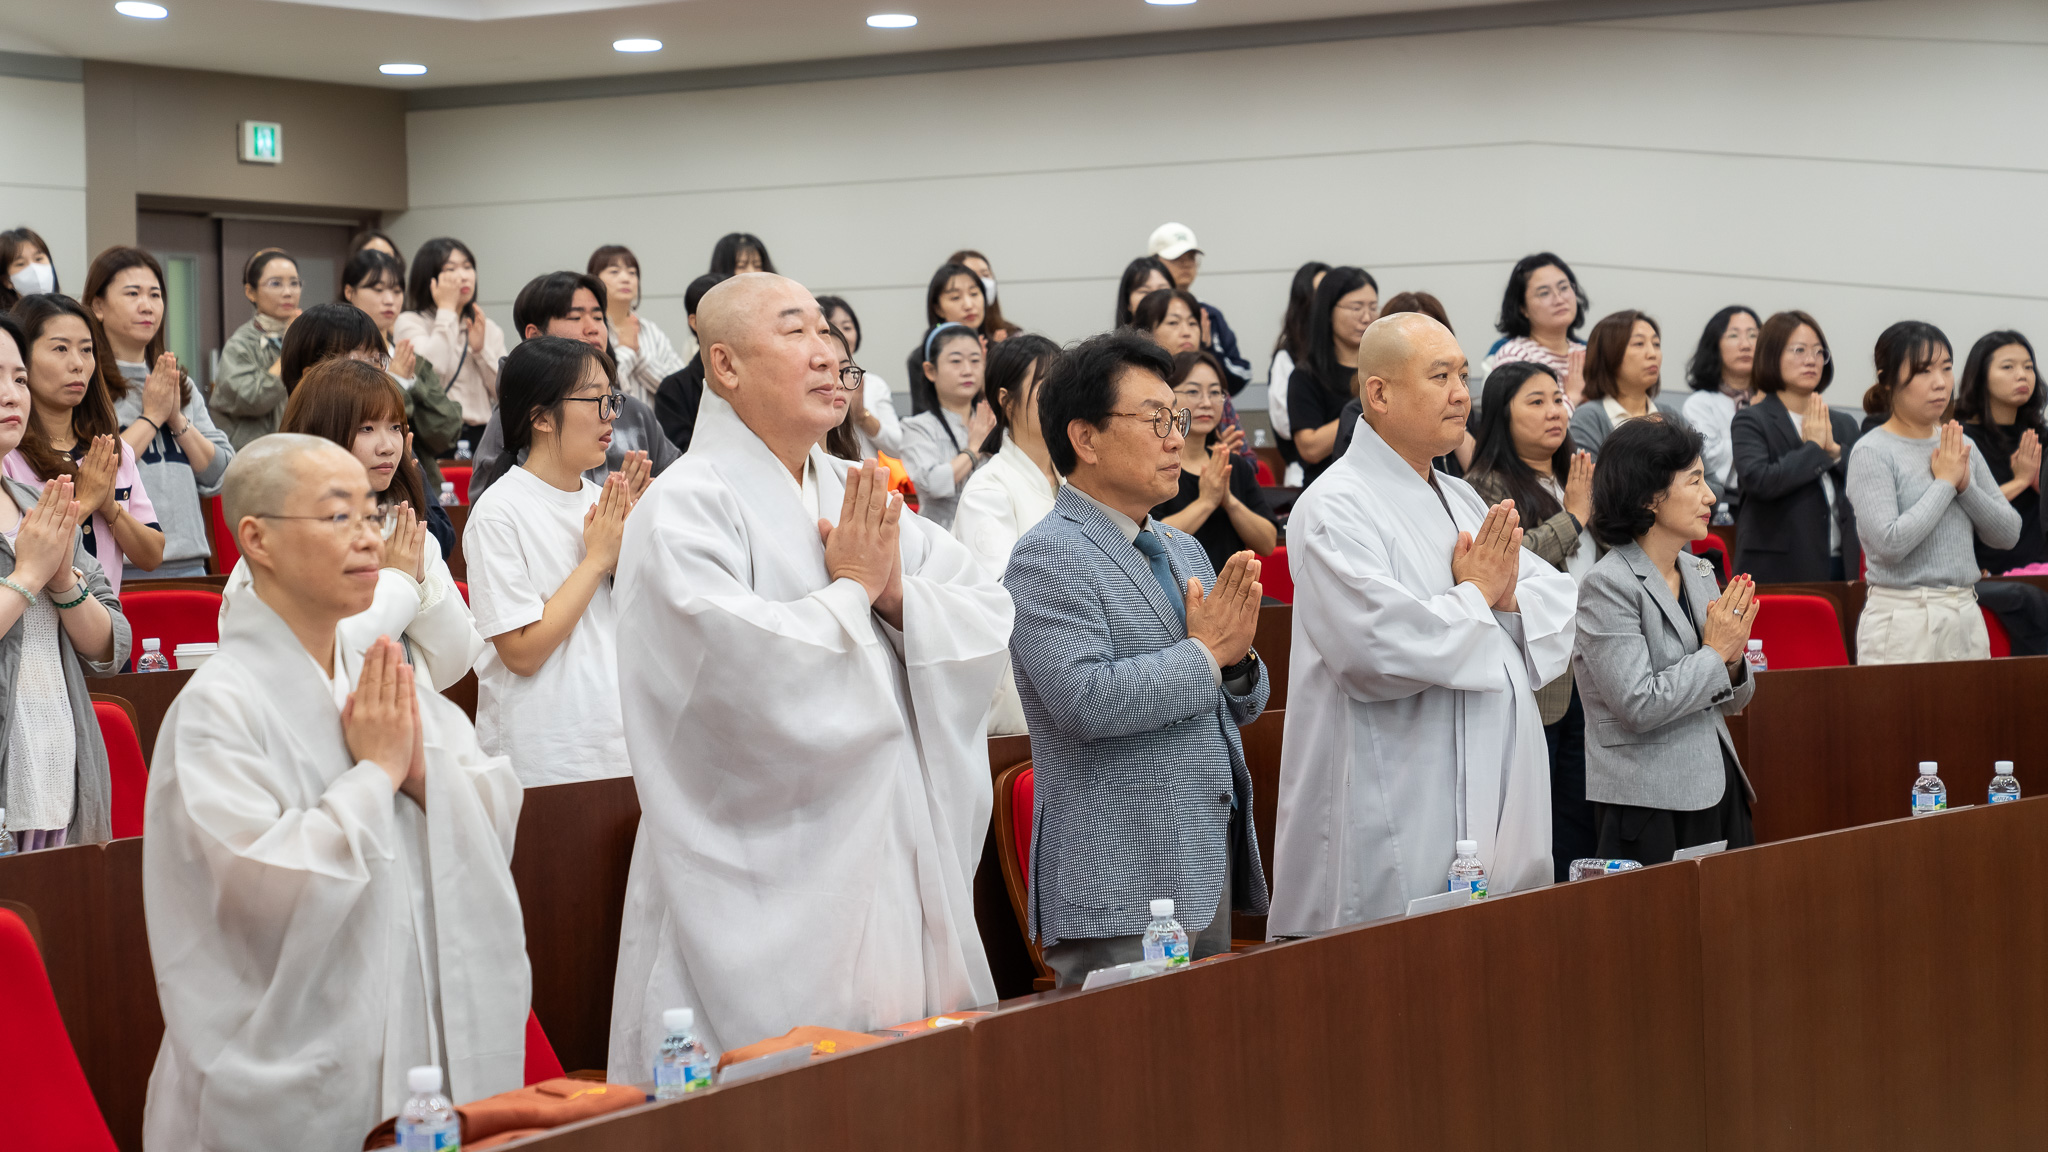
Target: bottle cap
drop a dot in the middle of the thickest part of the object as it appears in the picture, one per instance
(152, 645)
(425, 1078)
(2004, 767)
(447, 485)
(1162, 908)
(1927, 767)
(679, 1019)
(1468, 847)
(1756, 645)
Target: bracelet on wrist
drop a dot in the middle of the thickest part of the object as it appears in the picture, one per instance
(155, 427)
(84, 594)
(8, 582)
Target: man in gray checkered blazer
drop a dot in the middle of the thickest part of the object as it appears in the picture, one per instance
(1133, 681)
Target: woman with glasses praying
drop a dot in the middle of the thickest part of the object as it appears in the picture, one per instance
(1220, 502)
(542, 545)
(1792, 461)
(248, 393)
(1540, 316)
(352, 402)
(943, 446)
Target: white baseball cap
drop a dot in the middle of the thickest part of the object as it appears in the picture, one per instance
(1172, 241)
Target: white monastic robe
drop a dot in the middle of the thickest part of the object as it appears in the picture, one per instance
(1411, 719)
(314, 934)
(814, 786)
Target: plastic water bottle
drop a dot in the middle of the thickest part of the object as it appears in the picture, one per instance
(428, 1123)
(2003, 786)
(683, 1065)
(152, 658)
(448, 499)
(1755, 655)
(1467, 874)
(7, 847)
(1165, 939)
(1929, 794)
(462, 450)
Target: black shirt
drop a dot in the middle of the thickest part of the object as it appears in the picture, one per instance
(675, 402)
(2033, 546)
(1217, 535)
(1310, 405)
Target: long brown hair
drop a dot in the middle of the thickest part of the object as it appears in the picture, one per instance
(98, 279)
(94, 415)
(337, 397)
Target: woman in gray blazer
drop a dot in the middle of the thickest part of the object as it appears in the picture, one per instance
(1659, 660)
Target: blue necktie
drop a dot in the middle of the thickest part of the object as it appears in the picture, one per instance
(1155, 555)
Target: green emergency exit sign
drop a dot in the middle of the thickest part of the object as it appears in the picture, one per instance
(262, 142)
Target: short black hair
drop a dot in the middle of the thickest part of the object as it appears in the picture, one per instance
(550, 297)
(694, 294)
(1637, 462)
(1514, 312)
(322, 332)
(725, 255)
(426, 265)
(1082, 385)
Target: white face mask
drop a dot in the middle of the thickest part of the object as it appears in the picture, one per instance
(988, 289)
(34, 279)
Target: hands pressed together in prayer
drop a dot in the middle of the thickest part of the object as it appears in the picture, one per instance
(381, 721)
(862, 547)
(1729, 619)
(1951, 462)
(1226, 618)
(1491, 559)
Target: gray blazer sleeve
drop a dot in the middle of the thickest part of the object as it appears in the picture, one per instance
(1614, 657)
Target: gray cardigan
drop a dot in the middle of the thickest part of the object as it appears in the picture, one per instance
(1919, 532)
(174, 486)
(1654, 695)
(91, 812)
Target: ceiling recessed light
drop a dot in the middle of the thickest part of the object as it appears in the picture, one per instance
(1165, 3)
(892, 20)
(636, 45)
(142, 11)
(402, 69)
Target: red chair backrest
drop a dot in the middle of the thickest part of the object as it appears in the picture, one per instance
(462, 586)
(173, 616)
(1799, 632)
(2001, 640)
(1711, 541)
(1265, 475)
(125, 763)
(225, 551)
(49, 1103)
(1021, 793)
(458, 475)
(1275, 578)
(541, 1061)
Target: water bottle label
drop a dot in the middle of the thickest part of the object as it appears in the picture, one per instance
(2002, 797)
(697, 1077)
(1924, 802)
(1172, 949)
(421, 1138)
(1478, 887)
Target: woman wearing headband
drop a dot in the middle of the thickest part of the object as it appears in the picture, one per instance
(249, 393)
(942, 445)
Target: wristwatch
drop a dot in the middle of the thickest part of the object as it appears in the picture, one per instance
(1243, 667)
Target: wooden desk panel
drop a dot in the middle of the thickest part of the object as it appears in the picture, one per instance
(1885, 987)
(915, 1094)
(151, 693)
(1262, 755)
(1832, 748)
(1275, 642)
(570, 862)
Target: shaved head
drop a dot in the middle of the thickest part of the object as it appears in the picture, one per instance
(740, 309)
(769, 352)
(262, 477)
(1411, 381)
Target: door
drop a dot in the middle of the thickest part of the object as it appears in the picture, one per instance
(321, 251)
(188, 246)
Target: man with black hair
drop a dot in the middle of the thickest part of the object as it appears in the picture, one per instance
(1135, 668)
(676, 400)
(571, 305)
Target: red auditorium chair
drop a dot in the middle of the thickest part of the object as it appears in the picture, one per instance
(2001, 640)
(225, 553)
(172, 615)
(1799, 631)
(541, 1061)
(458, 475)
(126, 764)
(1275, 577)
(1265, 475)
(462, 586)
(49, 1103)
(1014, 794)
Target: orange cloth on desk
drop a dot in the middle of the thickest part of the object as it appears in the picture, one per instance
(822, 1041)
(536, 1107)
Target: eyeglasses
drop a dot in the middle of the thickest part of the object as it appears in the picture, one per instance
(608, 405)
(1163, 420)
(1801, 353)
(850, 377)
(345, 524)
(1356, 306)
(276, 285)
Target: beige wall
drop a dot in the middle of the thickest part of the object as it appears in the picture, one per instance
(1865, 161)
(166, 132)
(42, 185)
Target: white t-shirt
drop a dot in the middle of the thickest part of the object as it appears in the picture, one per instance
(524, 538)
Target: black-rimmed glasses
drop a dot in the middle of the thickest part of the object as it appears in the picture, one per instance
(608, 405)
(851, 376)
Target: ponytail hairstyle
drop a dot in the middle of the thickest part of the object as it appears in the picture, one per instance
(98, 279)
(535, 380)
(94, 415)
(1017, 367)
(1904, 350)
(333, 401)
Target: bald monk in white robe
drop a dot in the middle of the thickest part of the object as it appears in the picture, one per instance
(326, 872)
(1421, 630)
(805, 675)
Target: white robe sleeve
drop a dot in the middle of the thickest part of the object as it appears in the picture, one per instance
(878, 399)
(431, 618)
